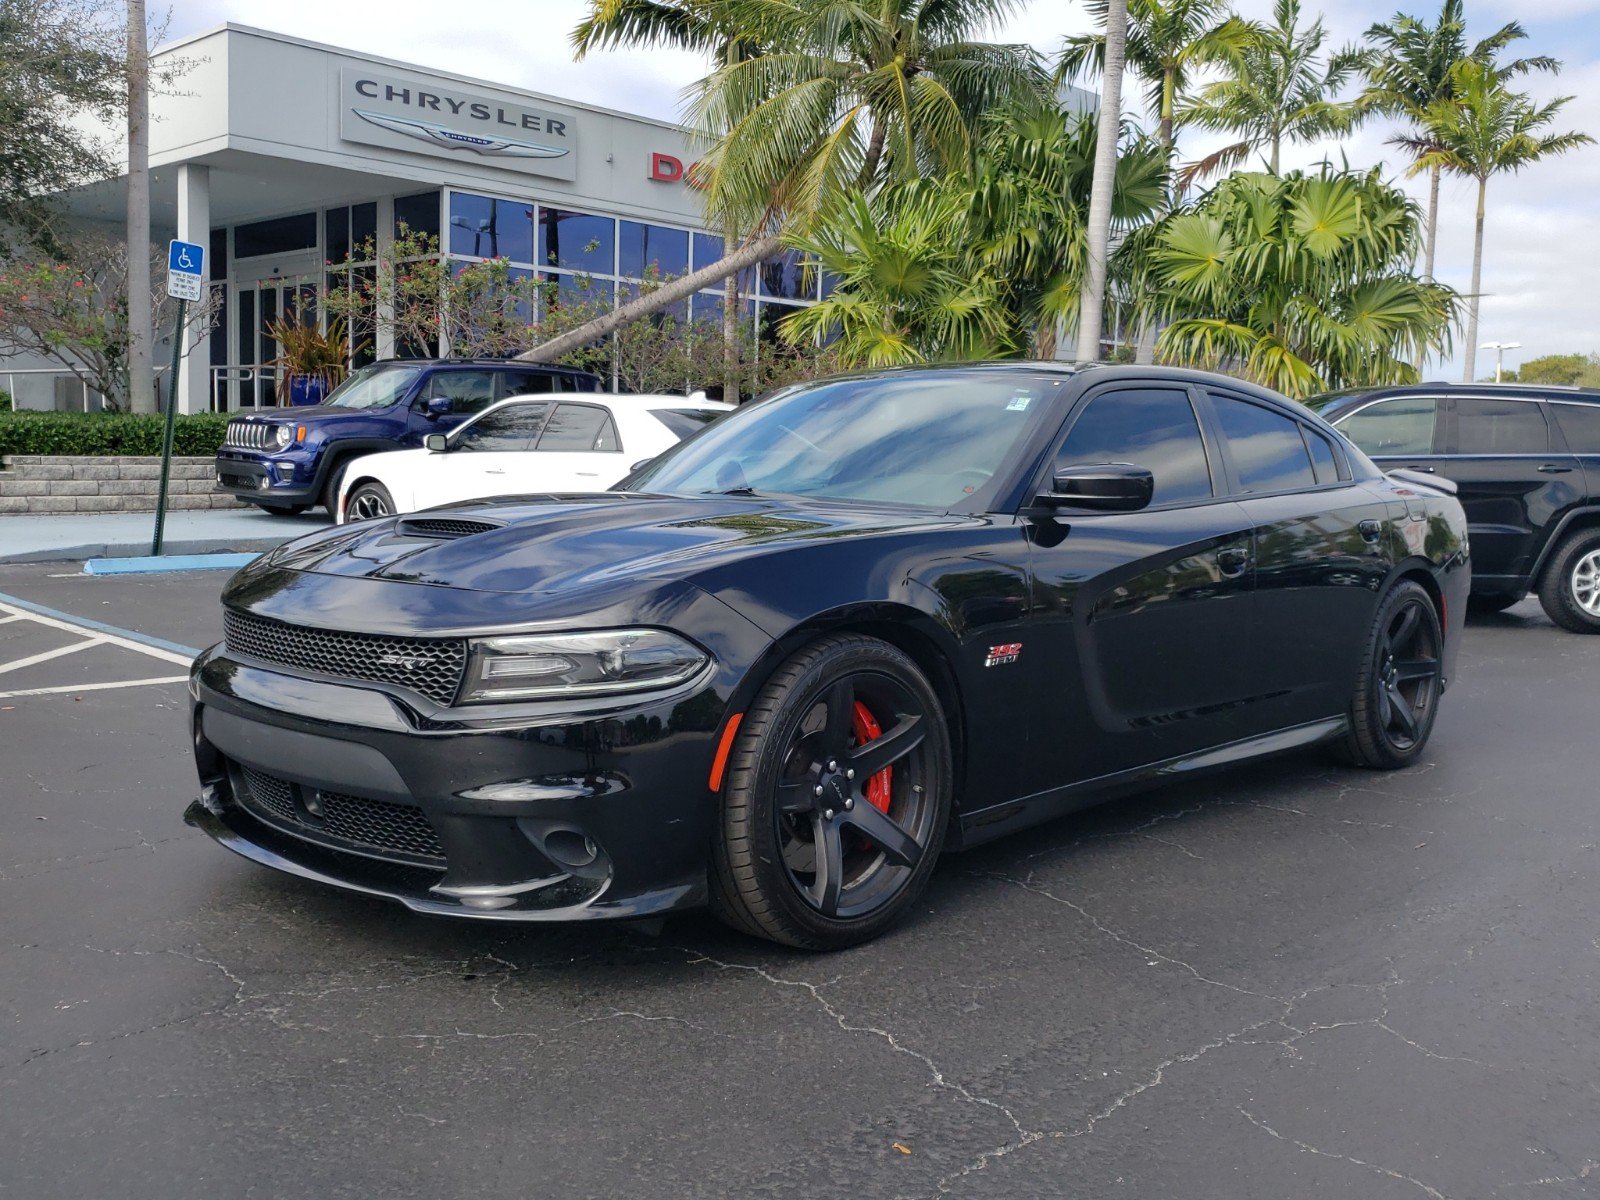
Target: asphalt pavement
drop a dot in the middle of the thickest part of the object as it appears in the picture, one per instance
(1287, 981)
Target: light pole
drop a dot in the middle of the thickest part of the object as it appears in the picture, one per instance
(1499, 349)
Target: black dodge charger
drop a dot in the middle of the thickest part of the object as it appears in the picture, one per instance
(839, 631)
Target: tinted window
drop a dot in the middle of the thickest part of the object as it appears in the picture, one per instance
(488, 228)
(527, 383)
(684, 421)
(784, 277)
(1266, 447)
(577, 241)
(419, 213)
(641, 247)
(467, 391)
(579, 427)
(1154, 429)
(513, 427)
(1500, 427)
(281, 235)
(1580, 425)
(931, 438)
(1322, 459)
(1393, 427)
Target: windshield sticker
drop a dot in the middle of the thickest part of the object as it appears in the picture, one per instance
(1019, 402)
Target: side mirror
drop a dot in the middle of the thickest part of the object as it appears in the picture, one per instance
(1107, 487)
(439, 406)
(437, 442)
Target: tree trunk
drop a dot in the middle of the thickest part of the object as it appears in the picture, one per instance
(732, 310)
(1145, 352)
(1432, 239)
(670, 293)
(141, 371)
(1275, 144)
(1477, 282)
(1091, 308)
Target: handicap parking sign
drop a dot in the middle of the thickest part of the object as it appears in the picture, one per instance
(186, 263)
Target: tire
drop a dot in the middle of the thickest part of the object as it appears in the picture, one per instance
(330, 490)
(1398, 683)
(369, 501)
(791, 786)
(1570, 588)
(1484, 606)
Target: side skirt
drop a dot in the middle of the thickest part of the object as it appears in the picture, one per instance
(998, 820)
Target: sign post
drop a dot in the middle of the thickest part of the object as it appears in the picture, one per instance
(185, 272)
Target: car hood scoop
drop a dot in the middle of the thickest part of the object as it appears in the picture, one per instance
(544, 543)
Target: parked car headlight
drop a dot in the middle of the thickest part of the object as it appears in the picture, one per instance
(546, 665)
(282, 435)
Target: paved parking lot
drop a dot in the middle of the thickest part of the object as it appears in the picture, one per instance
(1287, 981)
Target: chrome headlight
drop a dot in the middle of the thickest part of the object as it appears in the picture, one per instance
(282, 435)
(546, 665)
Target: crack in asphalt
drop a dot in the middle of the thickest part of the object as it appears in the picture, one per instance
(1308, 1148)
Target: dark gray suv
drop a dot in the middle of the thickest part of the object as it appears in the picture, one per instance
(1526, 462)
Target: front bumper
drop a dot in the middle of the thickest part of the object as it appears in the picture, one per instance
(555, 819)
(265, 480)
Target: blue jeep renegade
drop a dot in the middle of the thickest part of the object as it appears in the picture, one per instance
(287, 459)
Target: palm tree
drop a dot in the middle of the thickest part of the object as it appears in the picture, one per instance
(1411, 68)
(1485, 129)
(1277, 87)
(841, 96)
(1091, 306)
(685, 25)
(1305, 281)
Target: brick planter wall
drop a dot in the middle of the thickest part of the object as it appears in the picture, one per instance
(35, 484)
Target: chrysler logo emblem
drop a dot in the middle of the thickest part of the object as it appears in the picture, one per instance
(455, 139)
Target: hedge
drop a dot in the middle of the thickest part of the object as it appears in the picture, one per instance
(108, 433)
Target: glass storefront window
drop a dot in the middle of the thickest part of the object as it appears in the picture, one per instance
(771, 321)
(419, 213)
(708, 307)
(487, 228)
(217, 268)
(280, 235)
(336, 235)
(574, 289)
(577, 241)
(707, 249)
(364, 227)
(642, 247)
(785, 277)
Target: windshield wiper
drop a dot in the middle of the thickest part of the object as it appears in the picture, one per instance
(747, 490)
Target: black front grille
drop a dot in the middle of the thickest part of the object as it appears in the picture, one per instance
(339, 817)
(227, 479)
(442, 527)
(431, 667)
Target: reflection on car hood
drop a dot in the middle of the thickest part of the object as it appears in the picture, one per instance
(549, 543)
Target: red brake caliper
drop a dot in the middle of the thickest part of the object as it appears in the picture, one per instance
(866, 728)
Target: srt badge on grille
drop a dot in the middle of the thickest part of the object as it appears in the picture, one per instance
(406, 662)
(1009, 652)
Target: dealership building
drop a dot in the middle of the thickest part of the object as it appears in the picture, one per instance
(350, 148)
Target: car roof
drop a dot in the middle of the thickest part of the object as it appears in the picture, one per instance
(1334, 402)
(481, 362)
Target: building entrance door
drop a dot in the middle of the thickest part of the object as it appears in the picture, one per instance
(262, 295)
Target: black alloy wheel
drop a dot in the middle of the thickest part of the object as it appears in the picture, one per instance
(836, 798)
(368, 501)
(1397, 690)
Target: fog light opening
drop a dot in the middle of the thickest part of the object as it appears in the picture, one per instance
(571, 848)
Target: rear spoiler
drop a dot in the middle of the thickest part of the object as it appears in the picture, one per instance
(1432, 483)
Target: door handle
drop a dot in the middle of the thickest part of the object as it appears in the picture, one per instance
(1370, 529)
(1233, 561)
(1553, 469)
(1425, 470)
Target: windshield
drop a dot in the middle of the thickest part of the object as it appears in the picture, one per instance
(929, 438)
(377, 386)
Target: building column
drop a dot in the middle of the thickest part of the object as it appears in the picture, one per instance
(194, 225)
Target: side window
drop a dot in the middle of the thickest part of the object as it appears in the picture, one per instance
(467, 391)
(525, 383)
(580, 427)
(1580, 424)
(1153, 428)
(1500, 427)
(1267, 451)
(514, 427)
(1323, 462)
(1403, 426)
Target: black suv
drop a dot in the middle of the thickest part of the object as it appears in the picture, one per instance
(1526, 462)
(287, 459)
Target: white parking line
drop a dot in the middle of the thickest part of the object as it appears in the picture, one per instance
(92, 687)
(11, 618)
(47, 655)
(111, 639)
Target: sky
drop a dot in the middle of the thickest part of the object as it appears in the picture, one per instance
(1541, 276)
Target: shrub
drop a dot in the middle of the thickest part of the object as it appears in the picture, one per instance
(108, 433)
(5, 402)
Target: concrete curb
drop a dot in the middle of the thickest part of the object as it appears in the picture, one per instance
(141, 548)
(148, 565)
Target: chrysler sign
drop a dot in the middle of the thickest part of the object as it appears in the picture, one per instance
(403, 114)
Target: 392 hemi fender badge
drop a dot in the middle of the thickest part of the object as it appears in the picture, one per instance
(1000, 655)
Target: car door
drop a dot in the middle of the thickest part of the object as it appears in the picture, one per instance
(1143, 616)
(512, 382)
(1399, 431)
(577, 451)
(483, 455)
(469, 390)
(1323, 545)
(1511, 479)
(1579, 424)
